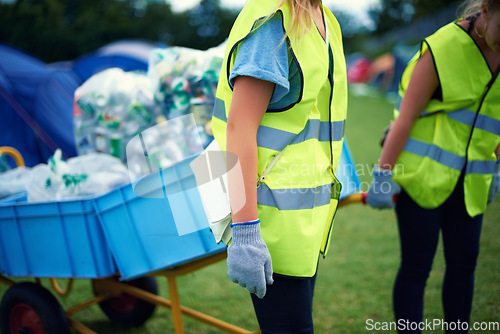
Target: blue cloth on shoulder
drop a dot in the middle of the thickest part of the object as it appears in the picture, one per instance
(264, 55)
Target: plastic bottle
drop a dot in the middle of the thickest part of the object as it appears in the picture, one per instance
(84, 120)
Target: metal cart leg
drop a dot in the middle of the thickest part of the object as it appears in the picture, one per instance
(79, 327)
(6, 281)
(178, 310)
(175, 305)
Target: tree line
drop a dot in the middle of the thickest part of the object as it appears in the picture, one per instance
(57, 30)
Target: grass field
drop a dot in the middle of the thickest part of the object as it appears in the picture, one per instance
(354, 281)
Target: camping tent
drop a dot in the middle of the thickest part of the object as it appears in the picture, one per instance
(127, 55)
(36, 106)
(36, 99)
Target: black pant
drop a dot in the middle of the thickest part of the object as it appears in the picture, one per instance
(419, 235)
(287, 306)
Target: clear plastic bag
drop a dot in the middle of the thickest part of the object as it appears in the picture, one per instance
(14, 181)
(185, 81)
(110, 108)
(82, 176)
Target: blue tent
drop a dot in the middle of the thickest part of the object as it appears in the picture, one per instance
(127, 55)
(36, 106)
(36, 99)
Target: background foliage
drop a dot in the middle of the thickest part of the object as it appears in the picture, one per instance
(56, 30)
(395, 13)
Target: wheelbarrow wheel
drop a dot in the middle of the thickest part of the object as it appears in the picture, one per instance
(30, 308)
(130, 310)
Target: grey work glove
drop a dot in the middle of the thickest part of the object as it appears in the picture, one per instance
(383, 190)
(248, 259)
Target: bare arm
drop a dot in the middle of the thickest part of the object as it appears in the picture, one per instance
(251, 98)
(422, 85)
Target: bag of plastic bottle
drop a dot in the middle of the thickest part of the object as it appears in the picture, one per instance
(111, 107)
(185, 82)
(79, 177)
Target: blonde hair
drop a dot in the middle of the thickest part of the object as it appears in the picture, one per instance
(301, 17)
(471, 7)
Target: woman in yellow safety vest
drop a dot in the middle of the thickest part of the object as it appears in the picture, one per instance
(280, 108)
(443, 149)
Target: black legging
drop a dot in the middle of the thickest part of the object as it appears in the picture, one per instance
(286, 307)
(419, 235)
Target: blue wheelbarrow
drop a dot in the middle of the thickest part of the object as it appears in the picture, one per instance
(118, 240)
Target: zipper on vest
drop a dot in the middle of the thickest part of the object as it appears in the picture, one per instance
(334, 186)
(330, 78)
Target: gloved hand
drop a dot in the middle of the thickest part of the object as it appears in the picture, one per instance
(495, 184)
(248, 259)
(382, 191)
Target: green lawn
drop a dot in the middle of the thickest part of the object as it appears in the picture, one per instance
(354, 281)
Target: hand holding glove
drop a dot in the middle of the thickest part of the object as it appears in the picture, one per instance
(248, 259)
(495, 184)
(383, 190)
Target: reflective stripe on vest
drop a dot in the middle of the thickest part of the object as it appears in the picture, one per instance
(276, 139)
(295, 198)
(467, 117)
(449, 159)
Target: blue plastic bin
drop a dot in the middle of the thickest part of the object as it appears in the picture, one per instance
(52, 239)
(141, 230)
(21, 197)
(118, 231)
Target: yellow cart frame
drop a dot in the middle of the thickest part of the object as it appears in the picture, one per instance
(110, 287)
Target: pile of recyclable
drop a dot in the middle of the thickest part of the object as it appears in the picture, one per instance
(81, 176)
(186, 82)
(110, 108)
(113, 106)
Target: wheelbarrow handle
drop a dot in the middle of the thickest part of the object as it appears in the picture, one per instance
(360, 198)
(18, 158)
(354, 198)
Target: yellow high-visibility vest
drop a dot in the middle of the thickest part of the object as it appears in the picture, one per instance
(457, 134)
(295, 203)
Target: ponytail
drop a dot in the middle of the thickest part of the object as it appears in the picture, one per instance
(472, 7)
